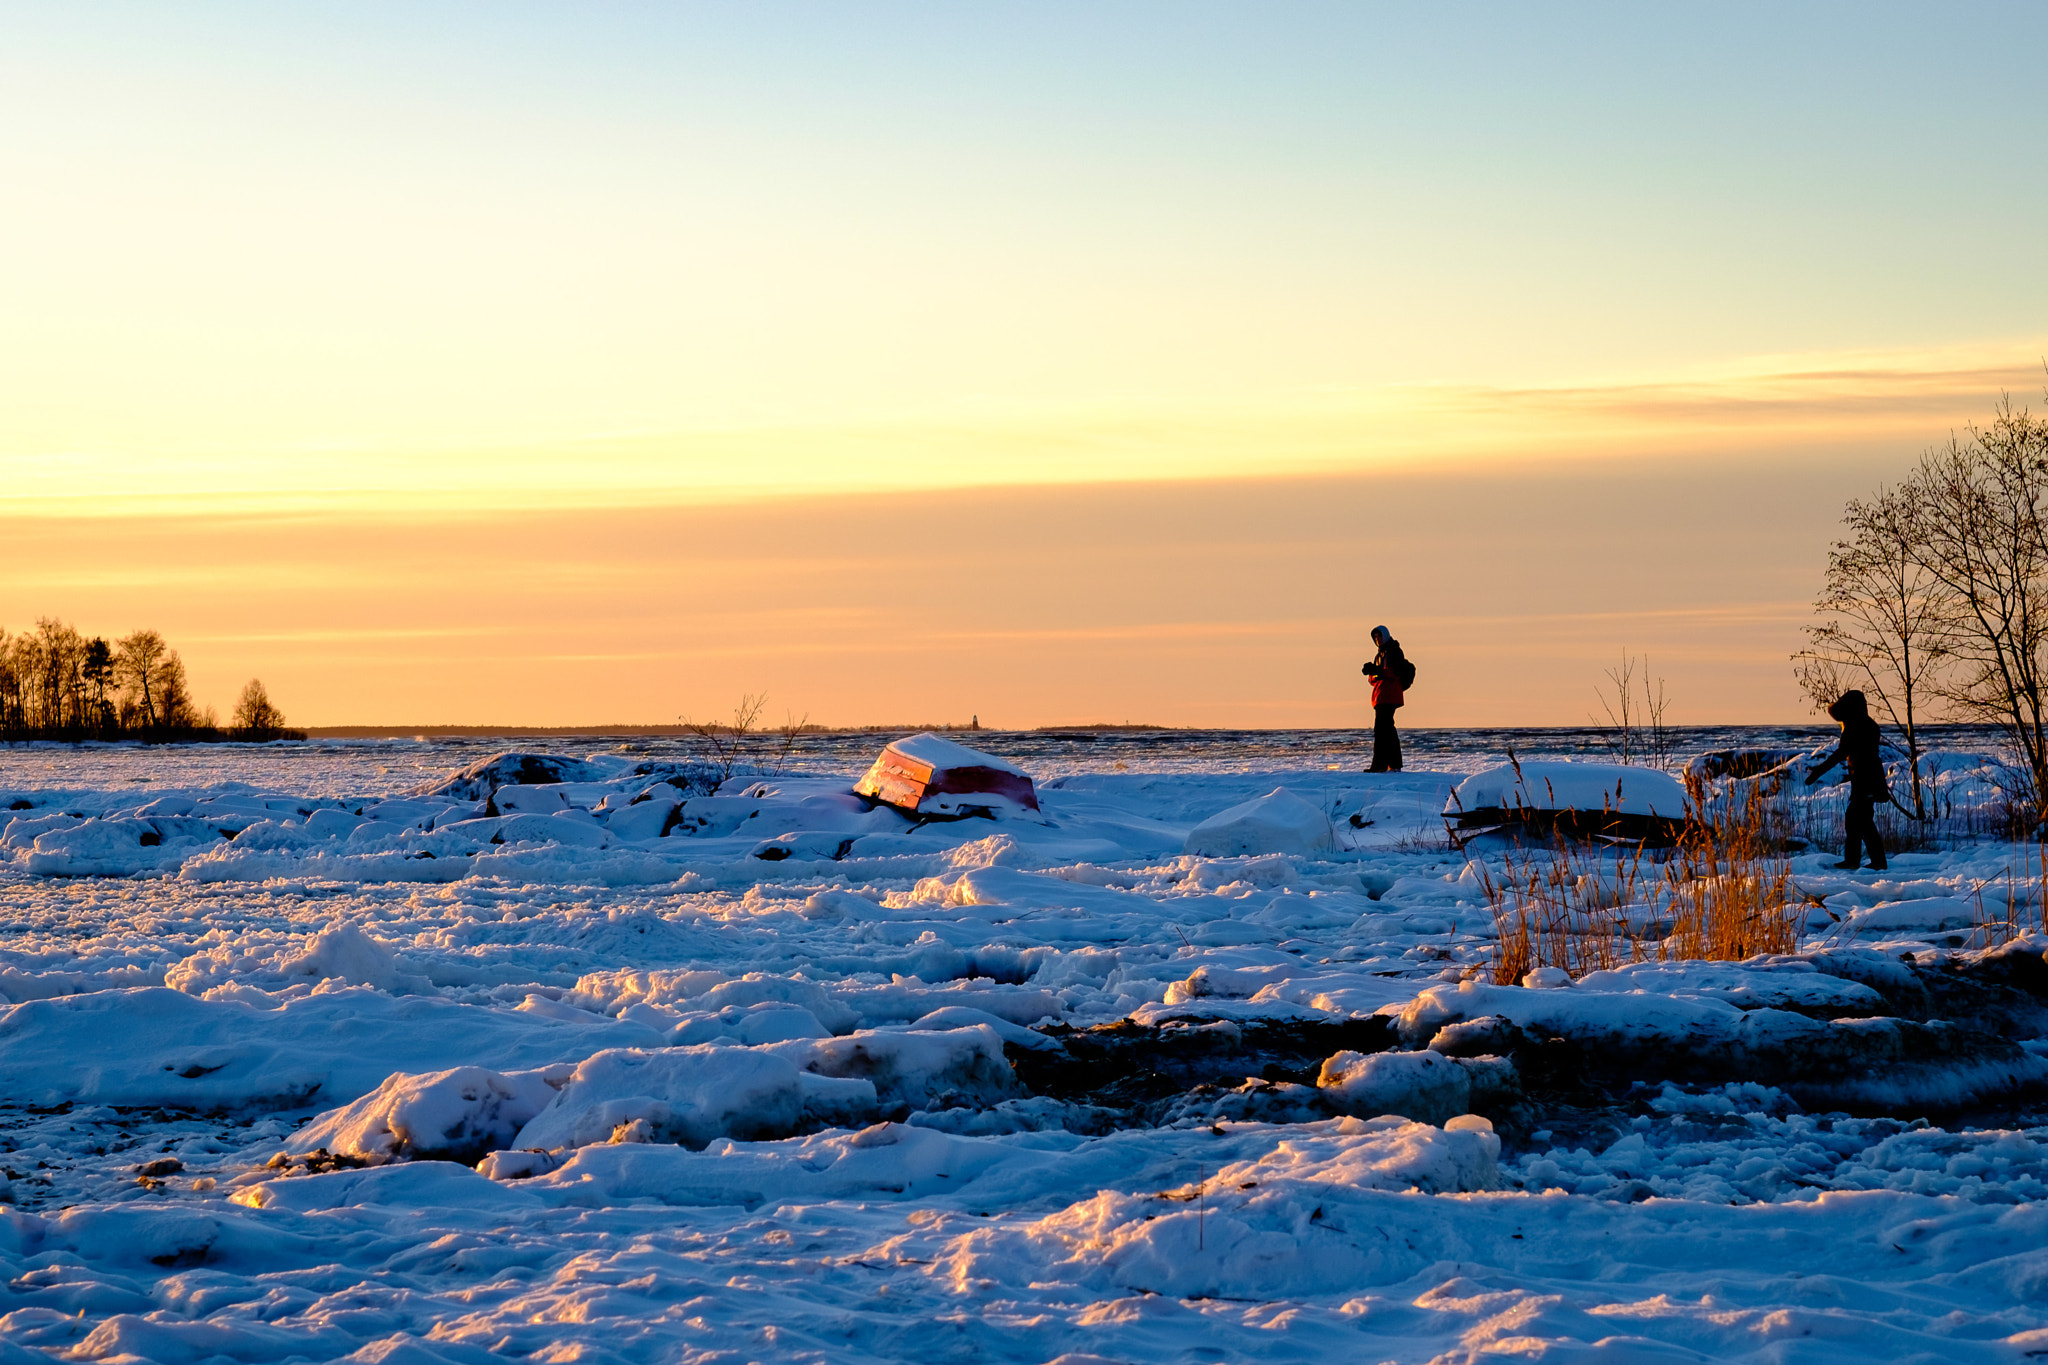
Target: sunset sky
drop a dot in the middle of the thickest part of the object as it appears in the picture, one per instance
(547, 364)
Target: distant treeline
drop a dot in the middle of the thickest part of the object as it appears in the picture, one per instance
(57, 684)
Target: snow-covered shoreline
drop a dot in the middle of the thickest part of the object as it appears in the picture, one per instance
(761, 1070)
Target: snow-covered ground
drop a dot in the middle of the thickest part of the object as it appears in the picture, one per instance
(329, 1051)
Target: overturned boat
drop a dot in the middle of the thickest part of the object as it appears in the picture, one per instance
(935, 778)
(1604, 802)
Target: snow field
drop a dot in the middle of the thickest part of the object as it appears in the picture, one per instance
(493, 1068)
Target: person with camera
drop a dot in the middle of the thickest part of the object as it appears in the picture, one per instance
(1392, 675)
(1867, 785)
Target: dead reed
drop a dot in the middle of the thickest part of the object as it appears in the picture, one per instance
(1727, 884)
(1722, 894)
(1566, 907)
(2023, 909)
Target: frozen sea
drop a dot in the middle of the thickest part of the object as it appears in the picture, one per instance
(371, 1050)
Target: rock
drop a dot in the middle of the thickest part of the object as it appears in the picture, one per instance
(486, 775)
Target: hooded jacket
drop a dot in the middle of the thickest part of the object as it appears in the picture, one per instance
(1859, 749)
(1385, 672)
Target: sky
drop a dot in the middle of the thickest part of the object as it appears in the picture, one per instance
(1050, 363)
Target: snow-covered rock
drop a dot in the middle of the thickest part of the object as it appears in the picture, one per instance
(485, 776)
(454, 1115)
(914, 1070)
(118, 847)
(1426, 1087)
(691, 1095)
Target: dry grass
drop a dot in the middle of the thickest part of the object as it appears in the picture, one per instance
(1728, 885)
(1722, 895)
(1565, 907)
(2022, 909)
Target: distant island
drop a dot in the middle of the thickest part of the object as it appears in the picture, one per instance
(56, 684)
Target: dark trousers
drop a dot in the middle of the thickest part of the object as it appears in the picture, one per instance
(1859, 831)
(1386, 742)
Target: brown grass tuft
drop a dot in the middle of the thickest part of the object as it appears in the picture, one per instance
(1729, 884)
(1565, 907)
(1723, 896)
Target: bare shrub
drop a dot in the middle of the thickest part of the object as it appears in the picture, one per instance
(1635, 707)
(727, 744)
(789, 732)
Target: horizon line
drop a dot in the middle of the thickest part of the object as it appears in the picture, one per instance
(626, 731)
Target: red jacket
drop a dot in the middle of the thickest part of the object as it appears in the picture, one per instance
(1385, 670)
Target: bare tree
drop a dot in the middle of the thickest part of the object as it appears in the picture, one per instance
(174, 698)
(61, 695)
(13, 710)
(139, 665)
(1980, 505)
(1884, 613)
(98, 672)
(56, 683)
(255, 716)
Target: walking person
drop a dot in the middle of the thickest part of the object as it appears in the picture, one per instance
(1867, 786)
(1391, 675)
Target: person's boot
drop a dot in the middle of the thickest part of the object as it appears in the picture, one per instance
(1852, 853)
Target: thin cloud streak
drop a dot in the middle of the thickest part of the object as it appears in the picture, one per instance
(1442, 427)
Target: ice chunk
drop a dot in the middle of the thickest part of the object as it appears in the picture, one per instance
(948, 1017)
(404, 1186)
(153, 1046)
(1262, 1228)
(1278, 822)
(886, 1161)
(344, 952)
